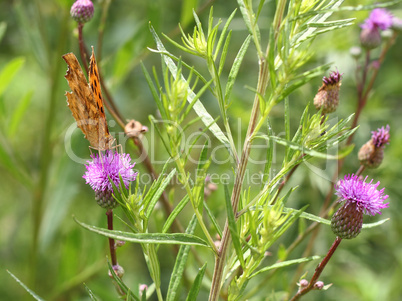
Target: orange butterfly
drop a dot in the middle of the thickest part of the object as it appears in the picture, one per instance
(86, 103)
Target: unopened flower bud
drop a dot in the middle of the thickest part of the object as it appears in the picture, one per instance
(143, 289)
(355, 51)
(82, 11)
(319, 285)
(370, 38)
(119, 243)
(396, 24)
(371, 154)
(118, 270)
(327, 96)
(303, 283)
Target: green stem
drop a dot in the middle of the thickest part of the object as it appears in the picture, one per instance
(46, 147)
(186, 184)
(220, 259)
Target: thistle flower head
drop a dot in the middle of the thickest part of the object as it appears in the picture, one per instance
(104, 166)
(381, 136)
(358, 198)
(82, 11)
(379, 18)
(367, 198)
(327, 96)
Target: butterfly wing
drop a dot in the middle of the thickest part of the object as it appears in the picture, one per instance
(84, 105)
(94, 83)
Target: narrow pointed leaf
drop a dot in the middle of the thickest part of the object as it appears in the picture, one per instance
(198, 106)
(148, 238)
(195, 288)
(181, 261)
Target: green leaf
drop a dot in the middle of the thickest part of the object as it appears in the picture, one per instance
(180, 264)
(175, 213)
(235, 69)
(147, 238)
(19, 113)
(198, 106)
(90, 293)
(213, 219)
(372, 225)
(3, 27)
(35, 296)
(283, 264)
(122, 285)
(303, 149)
(187, 11)
(160, 188)
(154, 92)
(9, 71)
(233, 227)
(195, 288)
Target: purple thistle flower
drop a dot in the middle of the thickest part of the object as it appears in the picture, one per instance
(381, 136)
(104, 166)
(379, 18)
(365, 196)
(358, 198)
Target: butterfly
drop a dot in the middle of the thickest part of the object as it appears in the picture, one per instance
(86, 103)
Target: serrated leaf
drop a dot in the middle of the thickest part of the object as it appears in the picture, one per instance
(147, 238)
(180, 264)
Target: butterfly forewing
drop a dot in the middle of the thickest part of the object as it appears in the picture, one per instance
(85, 102)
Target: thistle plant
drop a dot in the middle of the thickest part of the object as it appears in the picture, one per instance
(232, 238)
(255, 220)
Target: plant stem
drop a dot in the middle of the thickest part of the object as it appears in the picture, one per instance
(112, 246)
(318, 270)
(220, 259)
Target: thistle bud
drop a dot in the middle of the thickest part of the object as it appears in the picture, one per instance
(327, 96)
(82, 11)
(347, 221)
(118, 270)
(371, 154)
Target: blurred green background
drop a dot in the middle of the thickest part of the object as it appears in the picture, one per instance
(41, 187)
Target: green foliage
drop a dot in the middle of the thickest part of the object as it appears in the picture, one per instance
(228, 78)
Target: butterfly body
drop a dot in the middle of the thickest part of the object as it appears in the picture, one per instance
(86, 103)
